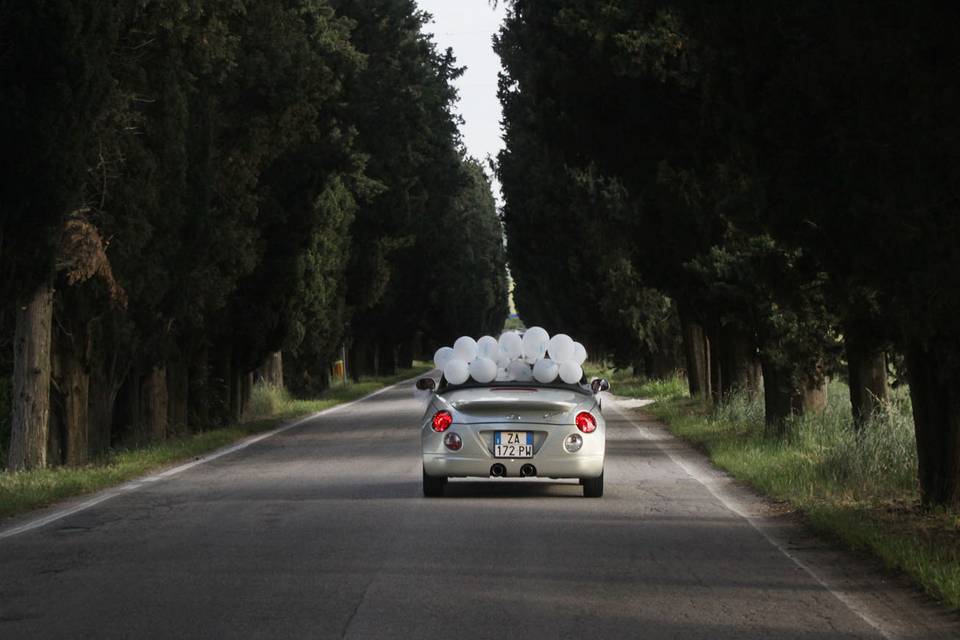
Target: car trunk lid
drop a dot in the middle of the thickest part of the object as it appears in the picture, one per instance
(506, 405)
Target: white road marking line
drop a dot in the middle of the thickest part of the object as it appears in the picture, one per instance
(732, 504)
(138, 483)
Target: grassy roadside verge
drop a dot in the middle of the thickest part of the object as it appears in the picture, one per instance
(23, 491)
(860, 490)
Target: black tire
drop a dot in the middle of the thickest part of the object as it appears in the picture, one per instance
(433, 485)
(592, 487)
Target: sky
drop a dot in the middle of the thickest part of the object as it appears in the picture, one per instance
(468, 27)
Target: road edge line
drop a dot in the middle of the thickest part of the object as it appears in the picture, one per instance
(732, 504)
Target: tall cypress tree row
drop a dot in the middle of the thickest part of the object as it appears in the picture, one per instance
(768, 150)
(190, 188)
(636, 73)
(56, 90)
(467, 282)
(303, 195)
(404, 101)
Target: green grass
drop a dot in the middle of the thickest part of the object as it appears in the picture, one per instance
(26, 490)
(860, 488)
(271, 402)
(624, 383)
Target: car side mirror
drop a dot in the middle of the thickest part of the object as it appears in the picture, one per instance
(426, 384)
(599, 384)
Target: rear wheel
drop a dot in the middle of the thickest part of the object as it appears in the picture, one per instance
(433, 485)
(592, 487)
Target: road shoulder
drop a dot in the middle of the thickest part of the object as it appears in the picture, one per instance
(889, 603)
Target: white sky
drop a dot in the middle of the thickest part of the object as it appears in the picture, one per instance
(468, 27)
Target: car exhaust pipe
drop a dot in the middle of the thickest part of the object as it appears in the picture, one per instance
(528, 470)
(498, 470)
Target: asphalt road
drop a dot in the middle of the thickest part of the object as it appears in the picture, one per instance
(321, 532)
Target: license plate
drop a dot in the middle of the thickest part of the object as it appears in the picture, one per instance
(513, 444)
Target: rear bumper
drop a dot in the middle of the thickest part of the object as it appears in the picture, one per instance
(550, 457)
(569, 466)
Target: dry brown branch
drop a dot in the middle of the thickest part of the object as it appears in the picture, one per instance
(83, 255)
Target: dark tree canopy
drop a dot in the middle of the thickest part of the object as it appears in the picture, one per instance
(56, 91)
(249, 178)
(783, 170)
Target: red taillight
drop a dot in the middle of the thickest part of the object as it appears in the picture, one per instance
(586, 422)
(442, 421)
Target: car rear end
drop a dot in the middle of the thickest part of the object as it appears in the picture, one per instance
(514, 431)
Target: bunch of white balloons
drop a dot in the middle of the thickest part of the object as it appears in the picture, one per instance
(532, 356)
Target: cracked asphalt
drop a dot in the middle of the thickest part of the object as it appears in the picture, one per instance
(321, 532)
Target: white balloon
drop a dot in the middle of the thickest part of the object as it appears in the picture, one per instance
(483, 370)
(571, 372)
(442, 357)
(465, 348)
(519, 371)
(579, 353)
(488, 347)
(503, 360)
(502, 375)
(538, 332)
(457, 371)
(545, 370)
(535, 342)
(511, 345)
(561, 348)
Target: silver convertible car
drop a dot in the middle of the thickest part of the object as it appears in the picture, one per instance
(513, 430)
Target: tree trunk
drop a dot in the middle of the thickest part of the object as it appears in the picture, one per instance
(641, 366)
(246, 390)
(71, 350)
(236, 396)
(221, 388)
(109, 367)
(664, 366)
(739, 362)
(127, 416)
(357, 360)
(56, 432)
(375, 363)
(56, 425)
(416, 348)
(199, 393)
(30, 419)
(755, 376)
(178, 397)
(103, 397)
(780, 398)
(715, 367)
(272, 370)
(698, 357)
(784, 396)
(934, 374)
(405, 354)
(75, 386)
(388, 358)
(154, 403)
(325, 381)
(867, 370)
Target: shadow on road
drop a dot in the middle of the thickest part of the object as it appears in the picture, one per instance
(502, 489)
